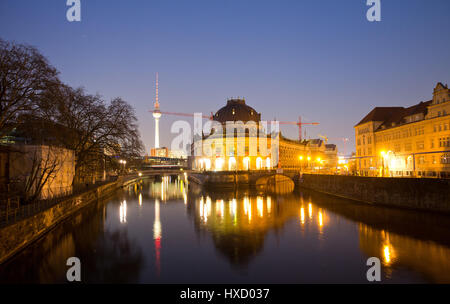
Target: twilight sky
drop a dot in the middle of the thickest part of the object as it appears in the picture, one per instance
(319, 59)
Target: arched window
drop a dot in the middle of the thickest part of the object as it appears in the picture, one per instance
(258, 163)
(207, 164)
(219, 164)
(232, 164)
(246, 163)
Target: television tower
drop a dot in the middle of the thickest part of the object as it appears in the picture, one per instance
(156, 115)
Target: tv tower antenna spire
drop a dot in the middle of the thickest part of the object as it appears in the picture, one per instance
(156, 115)
(156, 97)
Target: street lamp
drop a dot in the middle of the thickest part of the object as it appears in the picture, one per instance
(124, 162)
(301, 162)
(383, 155)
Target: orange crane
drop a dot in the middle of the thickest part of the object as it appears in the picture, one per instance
(299, 123)
(183, 114)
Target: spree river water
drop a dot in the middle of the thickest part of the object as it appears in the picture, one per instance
(159, 231)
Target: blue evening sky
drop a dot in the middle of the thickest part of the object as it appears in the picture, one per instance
(319, 59)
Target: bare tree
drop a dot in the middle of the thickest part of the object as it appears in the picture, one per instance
(91, 126)
(36, 168)
(24, 75)
(31, 94)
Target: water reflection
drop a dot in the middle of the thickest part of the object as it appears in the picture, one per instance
(264, 237)
(157, 232)
(396, 251)
(240, 222)
(105, 253)
(123, 212)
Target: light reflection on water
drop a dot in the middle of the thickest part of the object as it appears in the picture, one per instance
(164, 231)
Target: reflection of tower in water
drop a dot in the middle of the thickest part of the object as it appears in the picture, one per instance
(157, 237)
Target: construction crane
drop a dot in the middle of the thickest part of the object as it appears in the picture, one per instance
(299, 123)
(185, 114)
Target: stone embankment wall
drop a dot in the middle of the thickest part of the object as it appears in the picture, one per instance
(17, 236)
(415, 193)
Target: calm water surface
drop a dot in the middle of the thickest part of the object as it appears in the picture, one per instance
(161, 232)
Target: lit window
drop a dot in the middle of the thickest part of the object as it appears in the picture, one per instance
(246, 163)
(258, 163)
(232, 164)
(268, 162)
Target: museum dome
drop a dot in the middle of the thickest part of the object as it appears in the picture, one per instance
(237, 110)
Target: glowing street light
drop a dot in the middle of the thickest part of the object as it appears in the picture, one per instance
(123, 162)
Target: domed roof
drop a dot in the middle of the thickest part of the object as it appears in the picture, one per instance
(237, 110)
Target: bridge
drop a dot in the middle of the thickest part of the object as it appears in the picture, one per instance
(271, 180)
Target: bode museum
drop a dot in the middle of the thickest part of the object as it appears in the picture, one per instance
(239, 140)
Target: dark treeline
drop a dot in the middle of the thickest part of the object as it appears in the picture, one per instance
(32, 96)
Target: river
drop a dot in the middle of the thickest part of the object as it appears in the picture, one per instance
(159, 231)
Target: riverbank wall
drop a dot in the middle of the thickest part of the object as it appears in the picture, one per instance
(17, 236)
(412, 193)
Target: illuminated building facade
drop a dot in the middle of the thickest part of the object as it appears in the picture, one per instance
(413, 141)
(251, 147)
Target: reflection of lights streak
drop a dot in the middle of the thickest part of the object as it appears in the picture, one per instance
(201, 207)
(302, 215)
(246, 203)
(123, 212)
(387, 254)
(310, 210)
(320, 218)
(157, 224)
(233, 207)
(205, 214)
(208, 206)
(269, 204)
(219, 207)
(259, 205)
(205, 209)
(140, 199)
(157, 231)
